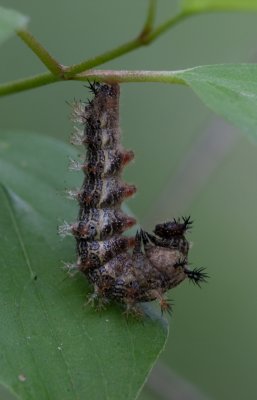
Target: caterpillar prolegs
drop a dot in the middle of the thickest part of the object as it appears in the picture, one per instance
(129, 270)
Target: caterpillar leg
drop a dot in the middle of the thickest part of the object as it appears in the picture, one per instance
(165, 304)
(96, 300)
(132, 309)
(71, 268)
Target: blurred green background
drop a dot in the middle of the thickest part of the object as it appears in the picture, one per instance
(188, 161)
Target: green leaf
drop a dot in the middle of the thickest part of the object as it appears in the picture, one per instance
(10, 21)
(195, 6)
(52, 346)
(229, 90)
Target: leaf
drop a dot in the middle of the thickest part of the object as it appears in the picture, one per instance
(10, 21)
(195, 6)
(53, 346)
(229, 90)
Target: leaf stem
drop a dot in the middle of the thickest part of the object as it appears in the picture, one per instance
(37, 48)
(111, 76)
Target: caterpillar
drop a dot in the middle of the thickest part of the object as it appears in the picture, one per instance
(129, 270)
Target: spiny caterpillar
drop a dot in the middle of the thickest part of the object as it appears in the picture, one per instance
(129, 270)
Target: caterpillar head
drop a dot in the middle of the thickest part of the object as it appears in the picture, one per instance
(168, 230)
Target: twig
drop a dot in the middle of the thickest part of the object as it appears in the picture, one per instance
(41, 52)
